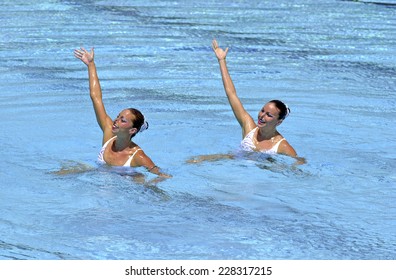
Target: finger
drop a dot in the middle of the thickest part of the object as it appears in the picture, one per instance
(214, 44)
(76, 54)
(81, 51)
(226, 51)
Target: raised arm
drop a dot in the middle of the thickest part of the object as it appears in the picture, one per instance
(104, 120)
(243, 117)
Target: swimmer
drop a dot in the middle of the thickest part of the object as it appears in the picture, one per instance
(118, 148)
(261, 136)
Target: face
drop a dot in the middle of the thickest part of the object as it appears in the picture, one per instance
(268, 116)
(123, 122)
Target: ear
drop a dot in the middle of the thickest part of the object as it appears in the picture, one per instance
(133, 131)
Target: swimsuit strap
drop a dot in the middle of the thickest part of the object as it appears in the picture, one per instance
(102, 150)
(107, 142)
(276, 146)
(128, 162)
(251, 133)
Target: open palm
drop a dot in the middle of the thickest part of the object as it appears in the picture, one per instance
(84, 55)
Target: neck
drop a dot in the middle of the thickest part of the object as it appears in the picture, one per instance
(266, 133)
(122, 142)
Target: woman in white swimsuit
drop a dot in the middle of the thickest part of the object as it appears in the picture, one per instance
(118, 148)
(261, 136)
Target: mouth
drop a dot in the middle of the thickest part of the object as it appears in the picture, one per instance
(114, 127)
(260, 122)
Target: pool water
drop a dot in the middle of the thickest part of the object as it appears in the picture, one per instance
(333, 62)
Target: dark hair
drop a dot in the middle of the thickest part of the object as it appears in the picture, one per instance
(138, 121)
(284, 110)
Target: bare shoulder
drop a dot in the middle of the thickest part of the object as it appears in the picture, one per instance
(248, 126)
(286, 149)
(141, 159)
(107, 135)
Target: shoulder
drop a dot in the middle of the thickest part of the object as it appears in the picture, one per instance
(107, 139)
(140, 158)
(286, 149)
(249, 127)
(107, 135)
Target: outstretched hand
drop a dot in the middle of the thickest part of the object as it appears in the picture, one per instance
(84, 55)
(220, 53)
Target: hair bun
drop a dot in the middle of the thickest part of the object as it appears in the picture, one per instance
(144, 126)
(287, 111)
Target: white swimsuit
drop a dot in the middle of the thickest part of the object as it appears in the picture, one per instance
(247, 144)
(101, 154)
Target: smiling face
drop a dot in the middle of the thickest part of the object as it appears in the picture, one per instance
(268, 116)
(123, 122)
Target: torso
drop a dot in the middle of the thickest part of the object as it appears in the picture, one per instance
(250, 144)
(124, 158)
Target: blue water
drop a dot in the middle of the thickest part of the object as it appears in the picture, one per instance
(333, 62)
